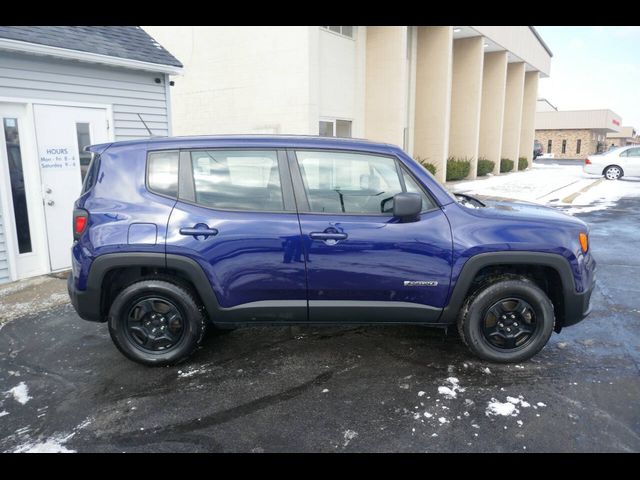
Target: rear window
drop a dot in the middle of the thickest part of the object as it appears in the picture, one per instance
(162, 173)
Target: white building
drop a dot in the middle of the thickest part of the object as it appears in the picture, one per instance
(462, 91)
(62, 88)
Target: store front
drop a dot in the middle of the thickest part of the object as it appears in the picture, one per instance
(53, 103)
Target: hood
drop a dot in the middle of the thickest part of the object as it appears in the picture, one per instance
(521, 210)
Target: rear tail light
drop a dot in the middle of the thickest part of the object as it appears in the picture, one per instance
(587, 161)
(80, 222)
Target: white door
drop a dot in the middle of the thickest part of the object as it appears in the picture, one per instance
(62, 133)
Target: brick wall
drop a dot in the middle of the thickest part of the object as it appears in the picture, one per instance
(588, 144)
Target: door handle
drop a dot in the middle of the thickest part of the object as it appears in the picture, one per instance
(328, 236)
(199, 231)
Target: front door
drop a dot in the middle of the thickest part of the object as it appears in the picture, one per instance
(236, 217)
(363, 264)
(62, 133)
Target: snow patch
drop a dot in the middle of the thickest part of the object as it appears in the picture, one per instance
(348, 436)
(53, 444)
(20, 393)
(3, 413)
(421, 393)
(506, 409)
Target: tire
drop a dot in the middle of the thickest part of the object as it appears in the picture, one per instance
(613, 172)
(175, 308)
(504, 293)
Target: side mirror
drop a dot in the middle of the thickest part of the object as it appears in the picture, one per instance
(407, 206)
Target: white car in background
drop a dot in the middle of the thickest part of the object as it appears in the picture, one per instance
(615, 163)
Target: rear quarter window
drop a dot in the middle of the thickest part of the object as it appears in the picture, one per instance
(162, 173)
(92, 173)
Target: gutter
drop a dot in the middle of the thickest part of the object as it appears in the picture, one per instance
(38, 49)
(544, 45)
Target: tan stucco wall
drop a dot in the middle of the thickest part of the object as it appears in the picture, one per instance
(433, 96)
(513, 112)
(466, 95)
(386, 84)
(243, 79)
(527, 129)
(494, 83)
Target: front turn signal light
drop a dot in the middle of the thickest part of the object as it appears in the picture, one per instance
(584, 242)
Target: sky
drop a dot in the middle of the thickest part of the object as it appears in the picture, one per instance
(594, 68)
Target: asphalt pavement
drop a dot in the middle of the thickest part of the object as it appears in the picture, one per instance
(65, 387)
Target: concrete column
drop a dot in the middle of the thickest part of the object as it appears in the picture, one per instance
(513, 112)
(494, 83)
(386, 84)
(433, 96)
(466, 96)
(527, 129)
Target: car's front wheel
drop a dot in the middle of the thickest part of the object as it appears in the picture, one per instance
(155, 322)
(509, 319)
(613, 172)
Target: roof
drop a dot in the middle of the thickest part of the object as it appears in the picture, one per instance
(126, 42)
(544, 45)
(274, 141)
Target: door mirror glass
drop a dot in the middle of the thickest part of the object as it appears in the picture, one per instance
(407, 206)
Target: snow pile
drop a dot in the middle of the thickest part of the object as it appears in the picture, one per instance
(20, 393)
(505, 409)
(50, 445)
(452, 389)
(348, 436)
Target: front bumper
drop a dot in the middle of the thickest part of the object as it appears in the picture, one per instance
(577, 306)
(85, 302)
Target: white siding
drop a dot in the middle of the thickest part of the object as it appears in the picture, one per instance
(128, 91)
(4, 266)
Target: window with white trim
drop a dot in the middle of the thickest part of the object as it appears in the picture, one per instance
(344, 31)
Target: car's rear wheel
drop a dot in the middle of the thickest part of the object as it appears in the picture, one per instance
(509, 319)
(613, 172)
(155, 322)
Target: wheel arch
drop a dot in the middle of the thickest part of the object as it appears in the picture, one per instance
(517, 260)
(110, 273)
(613, 165)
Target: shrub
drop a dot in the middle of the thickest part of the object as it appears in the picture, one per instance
(506, 165)
(485, 166)
(429, 166)
(457, 169)
(522, 163)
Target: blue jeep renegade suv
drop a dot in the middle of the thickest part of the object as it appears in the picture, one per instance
(177, 235)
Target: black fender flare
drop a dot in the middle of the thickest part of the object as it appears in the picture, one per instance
(188, 268)
(474, 264)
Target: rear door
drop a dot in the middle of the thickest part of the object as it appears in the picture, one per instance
(236, 217)
(363, 264)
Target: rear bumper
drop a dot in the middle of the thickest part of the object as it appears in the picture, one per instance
(577, 306)
(85, 302)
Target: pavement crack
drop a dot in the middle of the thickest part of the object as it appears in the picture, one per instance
(217, 418)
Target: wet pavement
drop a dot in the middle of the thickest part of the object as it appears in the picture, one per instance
(65, 387)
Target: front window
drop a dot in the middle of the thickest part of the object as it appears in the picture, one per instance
(337, 182)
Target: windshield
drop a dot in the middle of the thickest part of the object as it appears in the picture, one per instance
(612, 150)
